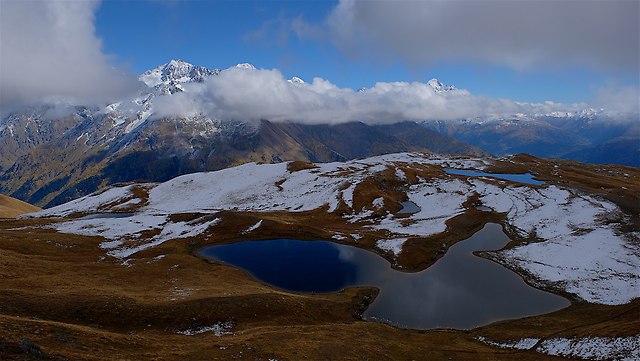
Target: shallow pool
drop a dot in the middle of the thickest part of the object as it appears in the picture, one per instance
(526, 178)
(459, 291)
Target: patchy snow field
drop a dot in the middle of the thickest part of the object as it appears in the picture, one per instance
(583, 252)
(588, 348)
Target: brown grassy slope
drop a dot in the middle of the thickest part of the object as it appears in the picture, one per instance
(63, 297)
(60, 293)
(11, 207)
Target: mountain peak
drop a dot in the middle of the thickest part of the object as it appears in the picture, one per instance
(175, 72)
(296, 80)
(439, 87)
(246, 66)
(176, 63)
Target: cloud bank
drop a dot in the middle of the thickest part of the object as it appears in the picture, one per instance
(621, 102)
(49, 52)
(517, 34)
(251, 94)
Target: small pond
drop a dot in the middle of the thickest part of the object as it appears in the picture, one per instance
(409, 207)
(106, 215)
(526, 178)
(483, 208)
(459, 291)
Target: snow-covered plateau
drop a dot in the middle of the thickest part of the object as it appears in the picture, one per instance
(575, 239)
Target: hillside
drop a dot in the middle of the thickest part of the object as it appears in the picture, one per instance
(625, 150)
(66, 169)
(143, 286)
(11, 207)
(367, 193)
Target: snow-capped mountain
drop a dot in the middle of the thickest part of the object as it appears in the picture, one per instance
(55, 153)
(246, 66)
(439, 87)
(169, 78)
(296, 80)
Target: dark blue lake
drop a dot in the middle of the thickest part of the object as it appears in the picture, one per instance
(526, 178)
(459, 291)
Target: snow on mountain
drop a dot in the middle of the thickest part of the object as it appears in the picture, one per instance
(296, 80)
(174, 77)
(164, 80)
(246, 66)
(176, 72)
(581, 250)
(439, 87)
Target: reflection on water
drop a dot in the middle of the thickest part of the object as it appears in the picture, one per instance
(459, 291)
(526, 178)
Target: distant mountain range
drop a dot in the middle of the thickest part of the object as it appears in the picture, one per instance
(590, 136)
(50, 154)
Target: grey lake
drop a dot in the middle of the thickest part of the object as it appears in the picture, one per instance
(460, 290)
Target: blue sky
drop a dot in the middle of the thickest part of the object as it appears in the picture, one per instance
(143, 34)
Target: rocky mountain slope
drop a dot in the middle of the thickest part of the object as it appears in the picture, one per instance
(52, 154)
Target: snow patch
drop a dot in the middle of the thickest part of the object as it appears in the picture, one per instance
(522, 344)
(253, 228)
(392, 245)
(594, 348)
(588, 348)
(86, 204)
(111, 244)
(169, 231)
(378, 203)
(438, 200)
(400, 174)
(597, 266)
(218, 329)
(347, 195)
(129, 203)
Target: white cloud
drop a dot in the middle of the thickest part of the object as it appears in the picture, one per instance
(622, 102)
(245, 94)
(49, 51)
(518, 34)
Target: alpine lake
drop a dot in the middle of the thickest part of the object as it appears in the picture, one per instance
(460, 291)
